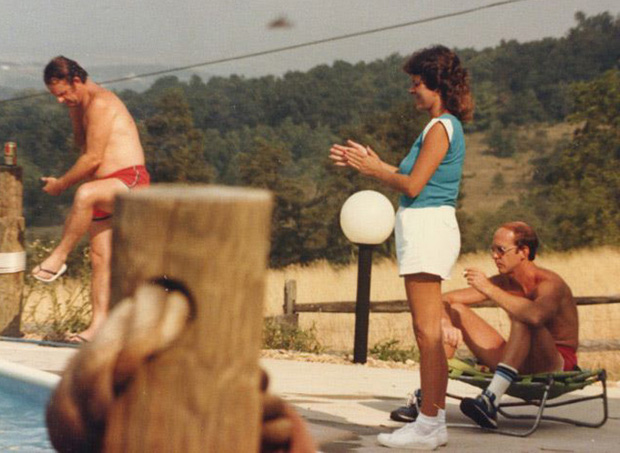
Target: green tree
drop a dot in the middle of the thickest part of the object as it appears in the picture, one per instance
(173, 146)
(578, 186)
(501, 140)
(42, 130)
(267, 165)
(498, 183)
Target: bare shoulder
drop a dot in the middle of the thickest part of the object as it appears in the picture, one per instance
(437, 134)
(550, 276)
(551, 283)
(105, 101)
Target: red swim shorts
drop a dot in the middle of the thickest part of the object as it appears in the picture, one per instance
(569, 355)
(134, 176)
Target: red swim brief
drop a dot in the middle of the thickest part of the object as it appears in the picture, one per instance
(134, 176)
(569, 355)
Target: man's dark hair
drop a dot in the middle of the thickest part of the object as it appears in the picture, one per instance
(63, 68)
(524, 236)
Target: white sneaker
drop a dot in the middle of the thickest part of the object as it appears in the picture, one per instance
(412, 437)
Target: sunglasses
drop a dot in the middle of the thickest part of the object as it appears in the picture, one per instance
(500, 250)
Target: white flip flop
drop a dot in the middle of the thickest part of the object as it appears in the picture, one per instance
(54, 276)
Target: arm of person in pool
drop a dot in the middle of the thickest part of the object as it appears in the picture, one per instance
(99, 119)
(534, 312)
(433, 151)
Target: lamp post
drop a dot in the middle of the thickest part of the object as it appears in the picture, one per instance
(367, 219)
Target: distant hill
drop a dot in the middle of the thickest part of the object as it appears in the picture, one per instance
(490, 181)
(6, 93)
(18, 76)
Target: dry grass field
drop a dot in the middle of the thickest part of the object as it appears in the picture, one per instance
(592, 272)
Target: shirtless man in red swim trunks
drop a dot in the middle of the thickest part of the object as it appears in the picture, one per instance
(544, 326)
(111, 162)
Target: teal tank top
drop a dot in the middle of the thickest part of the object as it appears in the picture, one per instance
(443, 187)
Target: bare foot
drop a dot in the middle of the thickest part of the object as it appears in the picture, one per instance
(84, 336)
(76, 339)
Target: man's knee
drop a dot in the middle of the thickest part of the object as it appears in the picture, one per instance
(85, 196)
(521, 328)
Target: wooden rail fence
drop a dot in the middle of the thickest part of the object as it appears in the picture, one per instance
(292, 310)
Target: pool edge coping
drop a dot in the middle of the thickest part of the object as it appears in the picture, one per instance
(29, 375)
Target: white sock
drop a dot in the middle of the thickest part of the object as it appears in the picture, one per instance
(441, 416)
(503, 377)
(426, 424)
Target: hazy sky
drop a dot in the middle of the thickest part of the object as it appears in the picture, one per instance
(182, 32)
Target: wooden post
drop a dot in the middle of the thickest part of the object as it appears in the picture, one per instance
(12, 254)
(202, 394)
(290, 297)
(290, 317)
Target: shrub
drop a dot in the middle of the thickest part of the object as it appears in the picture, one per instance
(389, 350)
(67, 302)
(278, 335)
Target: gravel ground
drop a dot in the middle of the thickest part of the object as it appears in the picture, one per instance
(343, 359)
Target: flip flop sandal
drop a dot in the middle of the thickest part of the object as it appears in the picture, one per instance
(54, 275)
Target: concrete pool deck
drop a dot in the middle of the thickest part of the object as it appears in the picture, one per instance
(346, 406)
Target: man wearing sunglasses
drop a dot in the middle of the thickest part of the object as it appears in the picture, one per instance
(543, 321)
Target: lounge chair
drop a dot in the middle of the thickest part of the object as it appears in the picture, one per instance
(535, 390)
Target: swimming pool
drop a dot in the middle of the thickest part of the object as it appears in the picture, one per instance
(24, 393)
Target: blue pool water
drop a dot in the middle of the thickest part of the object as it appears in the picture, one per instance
(22, 412)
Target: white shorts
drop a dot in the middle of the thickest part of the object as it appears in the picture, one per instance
(428, 240)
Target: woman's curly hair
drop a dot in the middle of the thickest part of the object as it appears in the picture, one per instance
(441, 71)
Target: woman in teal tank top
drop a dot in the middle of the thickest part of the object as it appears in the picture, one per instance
(427, 235)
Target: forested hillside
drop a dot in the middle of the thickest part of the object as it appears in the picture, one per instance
(275, 132)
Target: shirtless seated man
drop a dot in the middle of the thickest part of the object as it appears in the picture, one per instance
(543, 321)
(111, 161)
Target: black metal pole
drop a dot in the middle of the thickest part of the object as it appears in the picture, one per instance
(362, 304)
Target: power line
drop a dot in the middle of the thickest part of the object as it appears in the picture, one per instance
(287, 48)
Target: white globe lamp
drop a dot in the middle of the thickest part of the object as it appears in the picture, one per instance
(367, 217)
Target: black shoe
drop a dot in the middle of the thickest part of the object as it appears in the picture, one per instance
(481, 409)
(409, 412)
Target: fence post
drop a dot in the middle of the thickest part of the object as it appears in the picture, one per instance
(12, 254)
(290, 316)
(202, 394)
(290, 297)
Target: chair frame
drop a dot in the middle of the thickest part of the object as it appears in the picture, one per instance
(542, 388)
